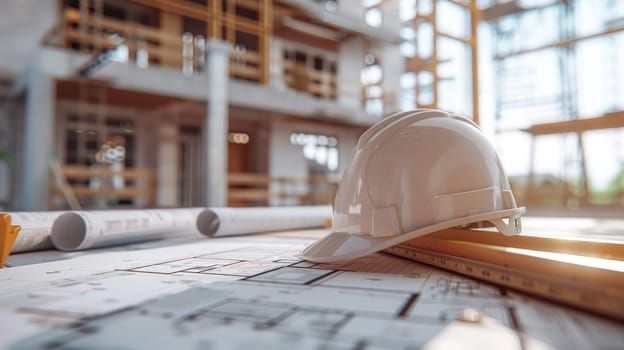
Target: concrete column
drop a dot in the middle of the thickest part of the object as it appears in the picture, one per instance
(167, 169)
(38, 139)
(350, 63)
(6, 178)
(351, 8)
(391, 20)
(276, 65)
(216, 124)
(391, 62)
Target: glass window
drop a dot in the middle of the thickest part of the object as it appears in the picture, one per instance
(453, 19)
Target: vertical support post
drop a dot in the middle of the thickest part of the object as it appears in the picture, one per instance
(529, 191)
(38, 139)
(275, 63)
(434, 53)
(350, 63)
(167, 194)
(172, 24)
(82, 25)
(215, 26)
(474, 57)
(216, 123)
(585, 197)
(265, 35)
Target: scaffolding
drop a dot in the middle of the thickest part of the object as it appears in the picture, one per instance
(444, 58)
(536, 60)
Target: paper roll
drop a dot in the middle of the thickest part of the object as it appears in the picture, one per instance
(219, 222)
(79, 230)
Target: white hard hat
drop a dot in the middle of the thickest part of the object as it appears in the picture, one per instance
(414, 173)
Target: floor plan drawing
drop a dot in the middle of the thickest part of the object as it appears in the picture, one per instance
(255, 292)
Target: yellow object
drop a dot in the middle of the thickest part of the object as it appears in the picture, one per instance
(8, 235)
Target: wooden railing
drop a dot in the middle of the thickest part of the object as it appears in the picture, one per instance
(560, 192)
(302, 78)
(324, 84)
(94, 34)
(247, 189)
(91, 33)
(98, 187)
(245, 65)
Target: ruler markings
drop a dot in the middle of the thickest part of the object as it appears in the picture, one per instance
(589, 298)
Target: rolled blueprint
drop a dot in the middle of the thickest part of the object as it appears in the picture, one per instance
(217, 222)
(35, 230)
(79, 230)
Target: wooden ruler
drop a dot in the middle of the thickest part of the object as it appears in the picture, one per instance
(584, 274)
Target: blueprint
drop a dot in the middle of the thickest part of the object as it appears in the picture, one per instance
(255, 292)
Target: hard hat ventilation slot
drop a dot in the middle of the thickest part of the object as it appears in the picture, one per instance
(462, 204)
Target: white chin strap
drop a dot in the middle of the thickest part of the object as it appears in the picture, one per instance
(510, 228)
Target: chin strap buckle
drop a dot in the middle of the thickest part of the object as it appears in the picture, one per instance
(510, 228)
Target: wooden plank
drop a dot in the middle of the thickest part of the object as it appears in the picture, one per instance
(562, 43)
(465, 41)
(266, 17)
(250, 4)
(529, 261)
(83, 172)
(585, 247)
(244, 71)
(461, 3)
(247, 56)
(608, 121)
(83, 37)
(578, 291)
(584, 273)
(153, 50)
(63, 186)
(217, 19)
(172, 23)
(475, 18)
(184, 8)
(248, 179)
(119, 193)
(255, 187)
(128, 28)
(249, 195)
(243, 24)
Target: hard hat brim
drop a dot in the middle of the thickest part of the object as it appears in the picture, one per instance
(339, 246)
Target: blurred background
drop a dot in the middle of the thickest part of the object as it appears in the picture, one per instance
(164, 103)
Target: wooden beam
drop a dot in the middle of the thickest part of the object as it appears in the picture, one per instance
(608, 121)
(217, 18)
(266, 20)
(529, 256)
(474, 58)
(183, 8)
(561, 44)
(434, 56)
(575, 246)
(171, 24)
